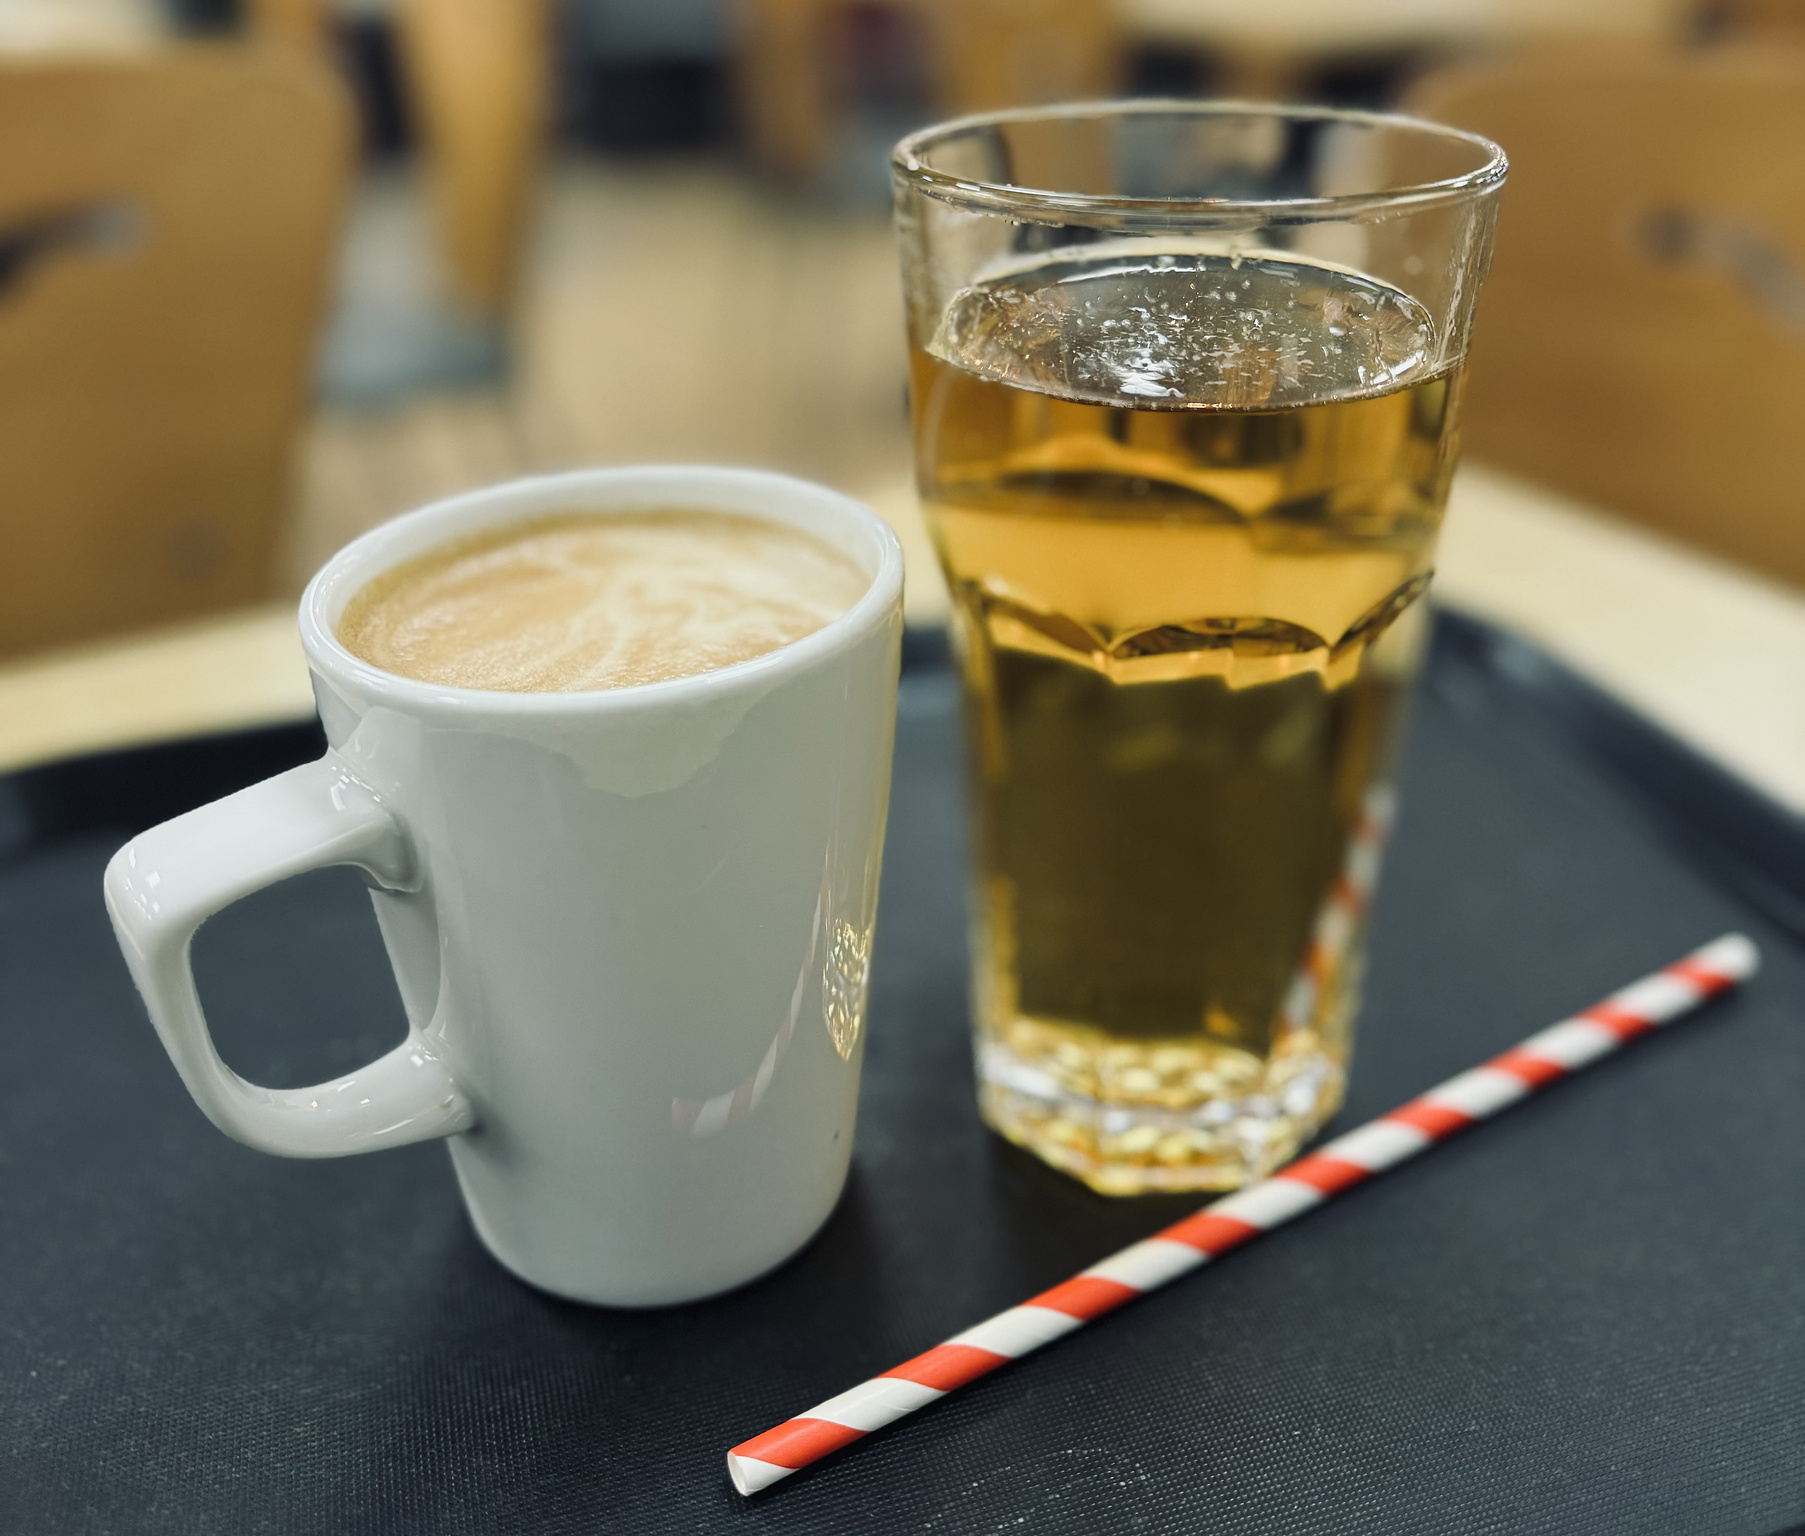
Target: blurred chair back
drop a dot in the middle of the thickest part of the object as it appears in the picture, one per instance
(1775, 20)
(167, 230)
(1642, 336)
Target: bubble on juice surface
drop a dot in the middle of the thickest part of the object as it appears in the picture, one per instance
(1189, 332)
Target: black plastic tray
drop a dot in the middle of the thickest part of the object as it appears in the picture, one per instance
(1589, 1316)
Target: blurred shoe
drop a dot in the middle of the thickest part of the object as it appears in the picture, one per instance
(396, 332)
(375, 356)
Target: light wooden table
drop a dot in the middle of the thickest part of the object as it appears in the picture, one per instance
(1267, 49)
(1711, 652)
(87, 27)
(1320, 27)
(1707, 649)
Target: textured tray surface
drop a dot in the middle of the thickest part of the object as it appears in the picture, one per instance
(1589, 1316)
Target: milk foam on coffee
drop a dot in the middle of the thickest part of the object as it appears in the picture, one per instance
(580, 601)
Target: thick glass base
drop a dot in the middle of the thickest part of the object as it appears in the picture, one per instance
(1133, 1118)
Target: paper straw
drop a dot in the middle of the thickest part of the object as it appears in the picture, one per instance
(1341, 915)
(1225, 1224)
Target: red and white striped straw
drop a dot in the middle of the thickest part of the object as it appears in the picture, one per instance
(1301, 1186)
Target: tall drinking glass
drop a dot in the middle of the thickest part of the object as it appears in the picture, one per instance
(1186, 381)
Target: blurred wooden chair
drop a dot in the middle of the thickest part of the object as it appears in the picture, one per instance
(979, 56)
(1781, 21)
(1641, 339)
(167, 229)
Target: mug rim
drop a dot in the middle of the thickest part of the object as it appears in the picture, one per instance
(744, 492)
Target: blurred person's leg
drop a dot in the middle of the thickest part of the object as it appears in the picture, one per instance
(1013, 53)
(478, 74)
(783, 91)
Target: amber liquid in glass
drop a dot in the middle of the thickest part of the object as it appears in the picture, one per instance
(1187, 505)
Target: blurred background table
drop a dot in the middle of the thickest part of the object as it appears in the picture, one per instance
(1262, 48)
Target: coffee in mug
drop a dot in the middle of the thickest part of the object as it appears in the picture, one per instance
(579, 601)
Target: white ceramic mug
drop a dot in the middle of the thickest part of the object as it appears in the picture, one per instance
(631, 927)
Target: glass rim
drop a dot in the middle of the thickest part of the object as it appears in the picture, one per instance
(910, 163)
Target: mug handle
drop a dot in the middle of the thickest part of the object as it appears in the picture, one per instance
(165, 883)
